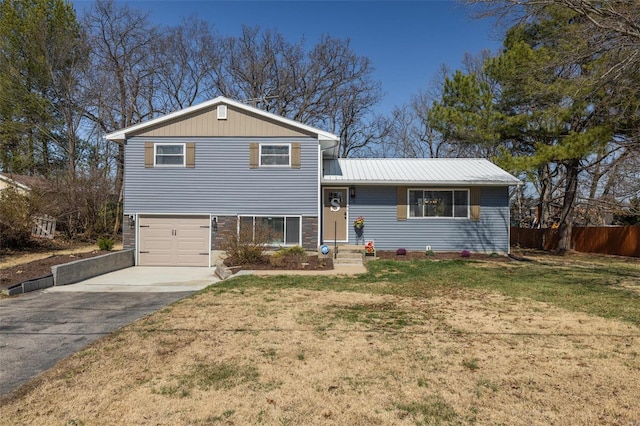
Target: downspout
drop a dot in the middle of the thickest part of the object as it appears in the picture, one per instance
(319, 203)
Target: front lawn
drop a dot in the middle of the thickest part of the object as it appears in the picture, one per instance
(554, 341)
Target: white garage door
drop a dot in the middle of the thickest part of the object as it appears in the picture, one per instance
(174, 240)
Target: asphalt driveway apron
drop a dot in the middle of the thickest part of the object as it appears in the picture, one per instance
(40, 328)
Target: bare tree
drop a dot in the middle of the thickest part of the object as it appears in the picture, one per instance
(187, 57)
(261, 67)
(329, 86)
(123, 82)
(413, 133)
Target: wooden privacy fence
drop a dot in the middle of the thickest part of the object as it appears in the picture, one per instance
(617, 240)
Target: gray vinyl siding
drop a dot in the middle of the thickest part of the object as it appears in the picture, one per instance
(378, 206)
(222, 182)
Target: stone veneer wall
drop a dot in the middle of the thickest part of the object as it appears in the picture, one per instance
(225, 223)
(128, 234)
(310, 233)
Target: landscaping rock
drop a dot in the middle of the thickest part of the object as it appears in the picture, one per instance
(222, 271)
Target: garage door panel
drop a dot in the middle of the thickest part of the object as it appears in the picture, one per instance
(156, 259)
(156, 243)
(174, 240)
(193, 260)
(197, 247)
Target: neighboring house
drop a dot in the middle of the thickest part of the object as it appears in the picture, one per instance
(22, 183)
(44, 226)
(222, 165)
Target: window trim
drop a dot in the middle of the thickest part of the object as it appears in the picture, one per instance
(155, 154)
(289, 155)
(283, 244)
(452, 190)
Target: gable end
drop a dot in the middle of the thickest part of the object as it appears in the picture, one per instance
(238, 123)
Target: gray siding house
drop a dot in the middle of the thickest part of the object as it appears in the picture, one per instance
(224, 166)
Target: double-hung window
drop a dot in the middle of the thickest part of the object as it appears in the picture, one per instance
(169, 154)
(438, 203)
(275, 155)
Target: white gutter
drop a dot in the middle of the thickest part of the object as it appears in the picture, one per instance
(415, 182)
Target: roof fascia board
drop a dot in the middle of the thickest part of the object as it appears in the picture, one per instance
(121, 135)
(14, 182)
(415, 182)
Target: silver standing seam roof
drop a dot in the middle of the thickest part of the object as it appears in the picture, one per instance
(415, 171)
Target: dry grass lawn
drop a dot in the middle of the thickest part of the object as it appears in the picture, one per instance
(9, 260)
(286, 354)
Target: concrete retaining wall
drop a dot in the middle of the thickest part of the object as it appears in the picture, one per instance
(83, 269)
(31, 285)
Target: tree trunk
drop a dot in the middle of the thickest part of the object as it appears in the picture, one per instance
(119, 186)
(591, 215)
(566, 217)
(544, 176)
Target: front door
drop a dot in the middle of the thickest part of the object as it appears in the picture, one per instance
(334, 214)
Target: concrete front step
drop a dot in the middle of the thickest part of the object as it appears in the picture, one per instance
(353, 262)
(351, 247)
(349, 255)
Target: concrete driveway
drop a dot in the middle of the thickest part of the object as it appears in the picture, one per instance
(146, 279)
(40, 328)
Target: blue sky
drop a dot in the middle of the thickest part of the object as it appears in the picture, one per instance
(407, 41)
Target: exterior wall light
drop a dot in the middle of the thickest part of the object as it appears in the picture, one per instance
(352, 192)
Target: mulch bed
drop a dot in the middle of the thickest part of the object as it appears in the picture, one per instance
(40, 268)
(311, 263)
(420, 255)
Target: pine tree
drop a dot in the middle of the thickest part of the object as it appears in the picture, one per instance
(547, 111)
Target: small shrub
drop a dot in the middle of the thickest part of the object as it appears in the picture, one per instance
(430, 253)
(246, 247)
(277, 260)
(105, 243)
(465, 253)
(401, 252)
(294, 250)
(292, 256)
(494, 254)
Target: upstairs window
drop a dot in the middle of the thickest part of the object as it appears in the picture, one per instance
(438, 203)
(169, 154)
(275, 155)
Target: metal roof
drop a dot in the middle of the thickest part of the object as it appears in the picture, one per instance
(411, 171)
